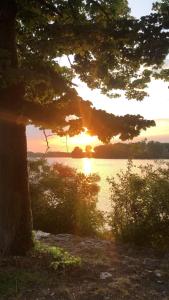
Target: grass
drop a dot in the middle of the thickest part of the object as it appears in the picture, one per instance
(12, 283)
(50, 272)
(25, 273)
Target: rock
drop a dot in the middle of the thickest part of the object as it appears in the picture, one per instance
(160, 282)
(105, 275)
(158, 274)
(40, 234)
(82, 244)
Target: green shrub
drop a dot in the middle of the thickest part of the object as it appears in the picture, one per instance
(60, 259)
(140, 205)
(64, 201)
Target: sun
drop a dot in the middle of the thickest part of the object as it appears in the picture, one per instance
(85, 139)
(82, 140)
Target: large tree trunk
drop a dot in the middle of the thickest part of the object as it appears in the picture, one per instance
(15, 212)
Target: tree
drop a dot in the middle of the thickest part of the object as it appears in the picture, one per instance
(155, 149)
(88, 150)
(106, 49)
(77, 152)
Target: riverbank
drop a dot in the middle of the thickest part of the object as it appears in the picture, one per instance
(107, 271)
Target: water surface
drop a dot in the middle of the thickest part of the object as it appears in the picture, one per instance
(103, 167)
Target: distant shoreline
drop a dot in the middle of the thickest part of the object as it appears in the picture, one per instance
(140, 150)
(43, 155)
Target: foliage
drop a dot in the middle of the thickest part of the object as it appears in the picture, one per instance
(64, 201)
(105, 47)
(61, 259)
(140, 205)
(139, 150)
(77, 152)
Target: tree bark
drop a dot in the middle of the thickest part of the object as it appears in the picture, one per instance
(15, 211)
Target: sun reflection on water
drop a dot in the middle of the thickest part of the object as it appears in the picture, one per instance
(87, 166)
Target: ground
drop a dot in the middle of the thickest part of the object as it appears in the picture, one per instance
(108, 271)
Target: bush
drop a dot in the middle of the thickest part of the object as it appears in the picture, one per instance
(140, 205)
(64, 201)
(60, 259)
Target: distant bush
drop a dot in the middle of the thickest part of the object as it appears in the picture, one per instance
(140, 205)
(64, 201)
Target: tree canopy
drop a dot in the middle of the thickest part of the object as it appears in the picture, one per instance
(106, 48)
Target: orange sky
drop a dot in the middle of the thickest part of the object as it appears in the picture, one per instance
(36, 140)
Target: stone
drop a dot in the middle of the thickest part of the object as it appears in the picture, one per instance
(40, 234)
(105, 275)
(158, 274)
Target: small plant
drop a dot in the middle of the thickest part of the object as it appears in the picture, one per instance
(140, 205)
(61, 259)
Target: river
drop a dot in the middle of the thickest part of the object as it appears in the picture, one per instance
(103, 167)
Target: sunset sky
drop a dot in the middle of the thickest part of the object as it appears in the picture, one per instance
(156, 107)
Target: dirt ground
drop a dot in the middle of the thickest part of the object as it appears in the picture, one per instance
(108, 271)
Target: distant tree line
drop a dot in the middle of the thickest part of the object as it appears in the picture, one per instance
(139, 150)
(142, 150)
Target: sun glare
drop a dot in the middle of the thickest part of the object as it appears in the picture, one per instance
(83, 139)
(87, 166)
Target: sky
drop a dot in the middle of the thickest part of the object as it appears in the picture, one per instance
(155, 106)
(140, 7)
